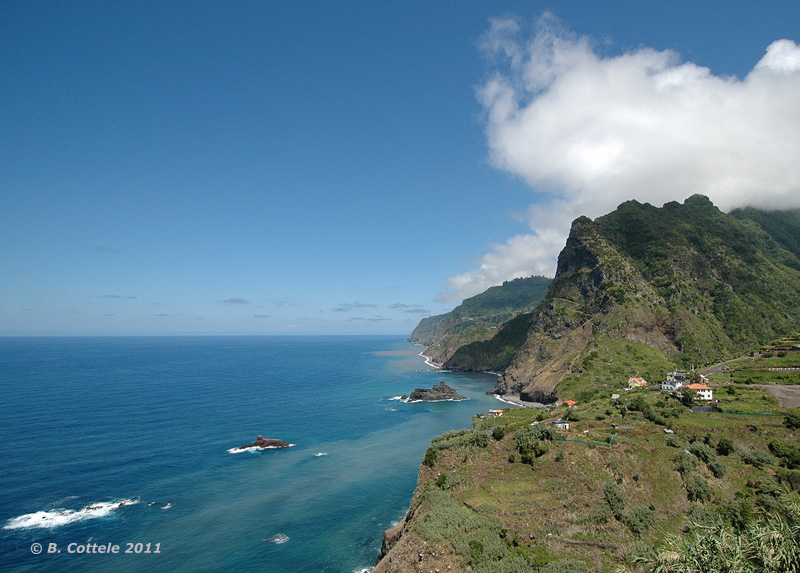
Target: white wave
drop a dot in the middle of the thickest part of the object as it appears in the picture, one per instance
(167, 506)
(363, 569)
(255, 449)
(277, 539)
(320, 454)
(394, 398)
(58, 517)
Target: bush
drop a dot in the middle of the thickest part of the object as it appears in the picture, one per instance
(529, 438)
(640, 520)
(789, 477)
(498, 432)
(697, 488)
(725, 447)
(448, 521)
(717, 469)
(704, 452)
(792, 419)
(430, 457)
(684, 463)
(737, 511)
(601, 514)
(674, 441)
(788, 454)
(480, 438)
(615, 498)
(756, 458)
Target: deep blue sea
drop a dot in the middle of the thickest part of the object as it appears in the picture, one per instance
(125, 441)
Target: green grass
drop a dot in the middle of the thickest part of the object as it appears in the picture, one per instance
(491, 511)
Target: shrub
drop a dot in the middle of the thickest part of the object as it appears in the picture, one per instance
(703, 451)
(498, 432)
(448, 521)
(756, 458)
(697, 488)
(564, 566)
(717, 468)
(701, 515)
(725, 447)
(792, 419)
(480, 438)
(738, 511)
(430, 457)
(600, 514)
(640, 520)
(789, 477)
(615, 498)
(535, 557)
(527, 439)
(674, 441)
(684, 462)
(788, 454)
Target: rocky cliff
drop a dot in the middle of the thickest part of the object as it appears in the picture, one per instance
(479, 317)
(680, 284)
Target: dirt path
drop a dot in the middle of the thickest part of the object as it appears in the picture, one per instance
(788, 396)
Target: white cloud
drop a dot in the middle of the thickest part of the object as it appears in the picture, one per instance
(588, 132)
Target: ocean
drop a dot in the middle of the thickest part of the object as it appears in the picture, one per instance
(123, 442)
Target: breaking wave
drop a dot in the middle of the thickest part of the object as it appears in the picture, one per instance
(58, 517)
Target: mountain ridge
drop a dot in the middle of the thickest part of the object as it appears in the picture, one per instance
(679, 284)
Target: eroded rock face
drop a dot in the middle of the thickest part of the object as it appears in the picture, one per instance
(436, 394)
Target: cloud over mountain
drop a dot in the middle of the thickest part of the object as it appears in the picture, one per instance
(588, 132)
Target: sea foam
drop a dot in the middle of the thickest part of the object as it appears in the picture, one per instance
(255, 449)
(58, 517)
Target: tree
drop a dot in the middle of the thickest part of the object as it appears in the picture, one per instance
(792, 419)
(688, 396)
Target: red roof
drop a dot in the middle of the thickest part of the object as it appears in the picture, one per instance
(698, 387)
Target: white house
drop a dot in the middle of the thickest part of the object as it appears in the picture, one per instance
(703, 392)
(674, 381)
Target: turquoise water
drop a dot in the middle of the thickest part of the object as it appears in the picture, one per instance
(89, 423)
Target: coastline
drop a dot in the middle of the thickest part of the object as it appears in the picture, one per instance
(428, 361)
(515, 400)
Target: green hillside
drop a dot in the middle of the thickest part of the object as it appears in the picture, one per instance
(614, 492)
(478, 317)
(645, 289)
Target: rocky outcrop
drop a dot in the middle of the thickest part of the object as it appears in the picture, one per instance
(261, 443)
(438, 393)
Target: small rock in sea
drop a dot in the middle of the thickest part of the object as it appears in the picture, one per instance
(438, 393)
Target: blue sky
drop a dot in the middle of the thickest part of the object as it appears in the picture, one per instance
(351, 167)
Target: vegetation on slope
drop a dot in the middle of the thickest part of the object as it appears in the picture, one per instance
(692, 283)
(478, 317)
(612, 493)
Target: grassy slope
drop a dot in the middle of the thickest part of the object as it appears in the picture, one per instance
(477, 509)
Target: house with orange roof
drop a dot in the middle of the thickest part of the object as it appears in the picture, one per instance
(703, 392)
(637, 383)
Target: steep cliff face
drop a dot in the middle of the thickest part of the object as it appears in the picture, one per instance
(685, 280)
(478, 318)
